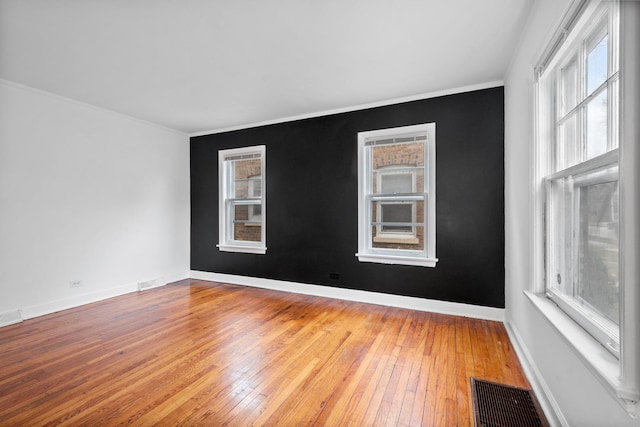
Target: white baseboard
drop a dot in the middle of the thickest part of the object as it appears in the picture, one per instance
(10, 317)
(412, 303)
(49, 307)
(543, 392)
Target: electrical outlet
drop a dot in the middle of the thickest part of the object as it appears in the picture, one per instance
(75, 283)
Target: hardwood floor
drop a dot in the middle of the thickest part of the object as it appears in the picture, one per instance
(203, 353)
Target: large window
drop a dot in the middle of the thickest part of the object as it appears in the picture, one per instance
(396, 207)
(241, 200)
(580, 102)
(579, 182)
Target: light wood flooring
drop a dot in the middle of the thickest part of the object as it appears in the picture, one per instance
(203, 353)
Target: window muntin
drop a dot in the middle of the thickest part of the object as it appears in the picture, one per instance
(242, 202)
(578, 103)
(396, 182)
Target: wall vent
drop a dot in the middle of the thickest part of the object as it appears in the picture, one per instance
(501, 405)
(150, 284)
(10, 317)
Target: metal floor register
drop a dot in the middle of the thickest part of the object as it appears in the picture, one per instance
(501, 405)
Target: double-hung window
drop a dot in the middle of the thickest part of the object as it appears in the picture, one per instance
(396, 196)
(241, 200)
(579, 182)
(582, 181)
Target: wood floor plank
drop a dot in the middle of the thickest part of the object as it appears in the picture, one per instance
(205, 353)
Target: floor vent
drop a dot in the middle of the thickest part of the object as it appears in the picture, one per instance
(500, 405)
(10, 317)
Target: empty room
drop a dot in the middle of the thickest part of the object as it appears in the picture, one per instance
(408, 213)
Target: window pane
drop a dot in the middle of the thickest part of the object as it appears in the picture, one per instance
(569, 87)
(255, 187)
(242, 170)
(396, 183)
(389, 160)
(597, 129)
(598, 249)
(567, 143)
(243, 227)
(397, 241)
(255, 213)
(397, 212)
(241, 189)
(597, 65)
(394, 225)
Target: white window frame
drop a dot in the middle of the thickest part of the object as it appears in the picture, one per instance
(617, 369)
(366, 251)
(226, 202)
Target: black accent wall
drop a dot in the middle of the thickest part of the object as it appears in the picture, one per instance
(312, 206)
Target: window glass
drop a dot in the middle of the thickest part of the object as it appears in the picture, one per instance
(596, 124)
(396, 183)
(567, 145)
(598, 285)
(569, 82)
(396, 217)
(597, 64)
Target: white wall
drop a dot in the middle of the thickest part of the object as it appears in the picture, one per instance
(89, 195)
(579, 397)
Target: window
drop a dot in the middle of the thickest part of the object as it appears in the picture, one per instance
(396, 205)
(579, 183)
(580, 88)
(241, 200)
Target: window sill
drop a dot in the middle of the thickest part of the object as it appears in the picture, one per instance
(244, 249)
(601, 362)
(403, 240)
(399, 260)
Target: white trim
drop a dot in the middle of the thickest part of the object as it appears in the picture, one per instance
(549, 405)
(391, 101)
(399, 260)
(243, 249)
(10, 317)
(630, 192)
(26, 88)
(378, 298)
(600, 162)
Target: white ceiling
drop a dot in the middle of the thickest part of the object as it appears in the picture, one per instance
(198, 65)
